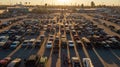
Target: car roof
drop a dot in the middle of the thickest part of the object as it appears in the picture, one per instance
(5, 60)
(3, 36)
(49, 41)
(32, 39)
(16, 42)
(26, 40)
(70, 41)
(75, 58)
(32, 57)
(43, 59)
(88, 61)
(85, 39)
(12, 63)
(38, 40)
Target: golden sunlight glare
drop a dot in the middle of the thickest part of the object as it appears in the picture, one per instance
(63, 2)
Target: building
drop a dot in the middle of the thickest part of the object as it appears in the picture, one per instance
(18, 9)
(93, 10)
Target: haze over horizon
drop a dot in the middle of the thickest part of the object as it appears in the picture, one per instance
(61, 2)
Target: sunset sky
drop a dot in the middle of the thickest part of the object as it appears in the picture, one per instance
(62, 2)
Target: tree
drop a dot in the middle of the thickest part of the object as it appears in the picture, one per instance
(29, 3)
(82, 5)
(45, 5)
(21, 3)
(92, 4)
(26, 3)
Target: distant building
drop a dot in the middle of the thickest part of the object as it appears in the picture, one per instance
(18, 9)
(92, 10)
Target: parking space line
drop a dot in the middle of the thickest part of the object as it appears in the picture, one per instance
(68, 51)
(42, 50)
(58, 63)
(107, 30)
(115, 54)
(14, 51)
(100, 58)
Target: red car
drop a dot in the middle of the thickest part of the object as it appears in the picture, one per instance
(5, 61)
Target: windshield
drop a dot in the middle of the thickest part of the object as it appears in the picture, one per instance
(25, 42)
(49, 43)
(14, 43)
(71, 43)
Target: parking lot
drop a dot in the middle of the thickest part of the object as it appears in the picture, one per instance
(60, 37)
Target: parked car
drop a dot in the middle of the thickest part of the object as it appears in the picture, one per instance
(42, 62)
(64, 44)
(14, 44)
(75, 62)
(87, 62)
(18, 38)
(87, 42)
(4, 62)
(30, 43)
(7, 44)
(76, 37)
(32, 61)
(15, 63)
(24, 44)
(49, 44)
(38, 43)
(3, 40)
(42, 36)
(78, 43)
(70, 43)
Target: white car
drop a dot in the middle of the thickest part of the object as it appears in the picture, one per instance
(30, 43)
(71, 44)
(87, 62)
(49, 44)
(14, 44)
(3, 40)
(25, 43)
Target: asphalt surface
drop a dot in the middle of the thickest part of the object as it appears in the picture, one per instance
(100, 57)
